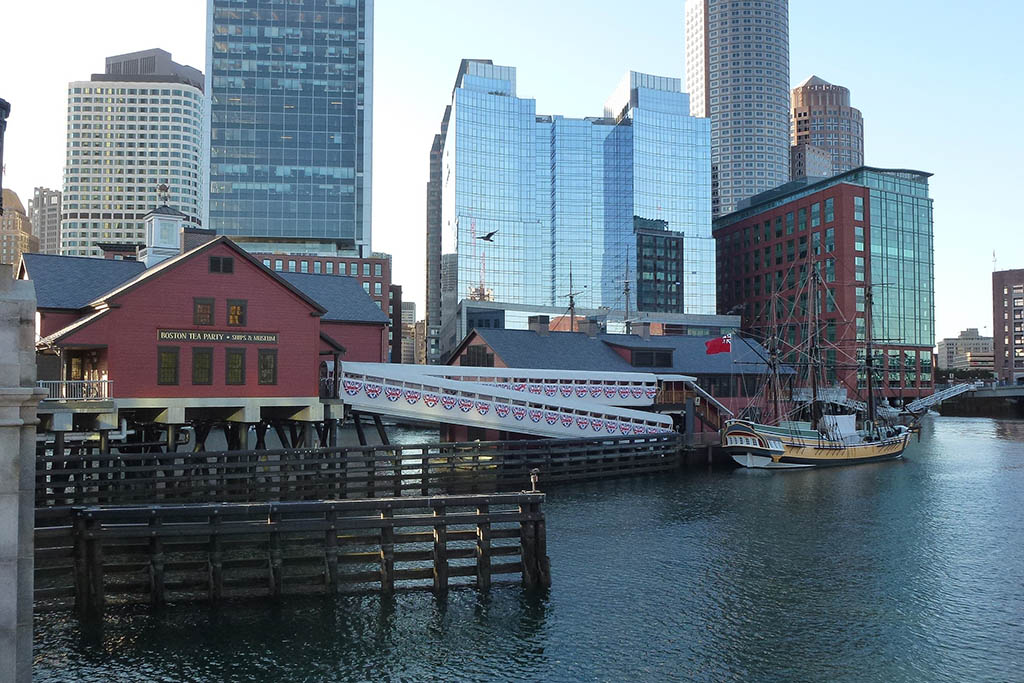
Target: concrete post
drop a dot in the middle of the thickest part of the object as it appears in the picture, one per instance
(19, 401)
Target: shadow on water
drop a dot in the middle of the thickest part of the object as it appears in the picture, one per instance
(908, 570)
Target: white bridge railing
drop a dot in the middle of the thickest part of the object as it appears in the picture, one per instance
(77, 390)
(938, 397)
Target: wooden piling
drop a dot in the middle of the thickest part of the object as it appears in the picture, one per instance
(216, 562)
(483, 550)
(387, 552)
(156, 561)
(440, 554)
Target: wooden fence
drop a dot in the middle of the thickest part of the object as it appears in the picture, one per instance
(342, 473)
(175, 553)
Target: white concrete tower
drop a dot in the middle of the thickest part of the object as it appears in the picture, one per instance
(737, 74)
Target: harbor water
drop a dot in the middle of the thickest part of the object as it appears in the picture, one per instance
(910, 570)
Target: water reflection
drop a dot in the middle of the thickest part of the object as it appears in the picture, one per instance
(900, 571)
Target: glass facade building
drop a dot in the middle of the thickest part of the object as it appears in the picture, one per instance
(556, 195)
(290, 87)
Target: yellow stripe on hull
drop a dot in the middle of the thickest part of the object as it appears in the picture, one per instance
(815, 454)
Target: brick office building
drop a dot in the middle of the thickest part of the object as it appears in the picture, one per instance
(868, 227)
(1008, 325)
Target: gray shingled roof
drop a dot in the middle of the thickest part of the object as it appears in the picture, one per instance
(556, 350)
(342, 296)
(690, 356)
(577, 351)
(75, 281)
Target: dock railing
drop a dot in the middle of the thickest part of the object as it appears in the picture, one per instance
(77, 390)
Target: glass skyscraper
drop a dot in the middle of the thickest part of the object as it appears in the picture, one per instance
(527, 198)
(291, 95)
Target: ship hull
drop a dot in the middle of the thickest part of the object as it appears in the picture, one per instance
(763, 447)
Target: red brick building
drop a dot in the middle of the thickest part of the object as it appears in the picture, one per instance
(864, 228)
(1008, 325)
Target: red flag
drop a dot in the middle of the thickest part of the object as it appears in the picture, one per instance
(719, 345)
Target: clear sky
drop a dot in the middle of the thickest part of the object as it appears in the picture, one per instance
(939, 84)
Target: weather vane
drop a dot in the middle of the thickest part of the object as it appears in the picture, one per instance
(162, 193)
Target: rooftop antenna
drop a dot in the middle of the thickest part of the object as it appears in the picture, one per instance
(572, 301)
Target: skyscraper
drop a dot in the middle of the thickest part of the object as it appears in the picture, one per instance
(132, 129)
(291, 103)
(16, 236)
(737, 74)
(533, 207)
(822, 116)
(44, 212)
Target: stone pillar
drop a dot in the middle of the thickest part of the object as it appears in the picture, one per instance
(19, 401)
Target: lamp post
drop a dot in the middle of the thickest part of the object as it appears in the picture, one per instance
(5, 111)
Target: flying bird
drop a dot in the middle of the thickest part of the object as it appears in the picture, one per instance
(489, 237)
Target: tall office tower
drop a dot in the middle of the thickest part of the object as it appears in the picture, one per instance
(291, 104)
(131, 130)
(16, 236)
(538, 207)
(822, 116)
(44, 212)
(737, 74)
(433, 314)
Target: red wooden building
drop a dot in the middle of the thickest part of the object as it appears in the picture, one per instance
(211, 334)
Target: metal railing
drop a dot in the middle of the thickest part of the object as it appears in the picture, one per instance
(77, 390)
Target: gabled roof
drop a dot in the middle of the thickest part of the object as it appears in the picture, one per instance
(165, 210)
(72, 282)
(164, 266)
(813, 80)
(577, 351)
(343, 297)
(690, 356)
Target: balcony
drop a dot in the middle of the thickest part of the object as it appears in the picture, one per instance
(77, 390)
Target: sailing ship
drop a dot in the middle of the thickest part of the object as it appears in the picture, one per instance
(824, 439)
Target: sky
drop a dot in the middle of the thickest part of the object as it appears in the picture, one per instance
(939, 85)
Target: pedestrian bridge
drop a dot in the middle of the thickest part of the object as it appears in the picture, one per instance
(552, 403)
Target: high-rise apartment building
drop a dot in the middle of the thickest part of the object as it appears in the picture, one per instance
(44, 212)
(535, 207)
(866, 230)
(16, 236)
(822, 116)
(290, 136)
(737, 74)
(1008, 324)
(433, 315)
(134, 140)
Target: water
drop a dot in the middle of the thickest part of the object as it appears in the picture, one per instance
(902, 571)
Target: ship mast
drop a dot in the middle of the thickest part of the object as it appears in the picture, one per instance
(814, 351)
(868, 355)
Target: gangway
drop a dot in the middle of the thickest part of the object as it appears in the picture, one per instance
(923, 404)
(433, 394)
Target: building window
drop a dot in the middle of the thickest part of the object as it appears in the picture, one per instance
(202, 311)
(291, 266)
(266, 262)
(222, 264)
(858, 238)
(858, 208)
(366, 269)
(377, 269)
(815, 215)
(366, 287)
(330, 267)
(376, 288)
(278, 264)
(202, 366)
(236, 312)
(830, 211)
(234, 366)
(316, 267)
(304, 266)
(167, 365)
(267, 362)
(652, 359)
(477, 356)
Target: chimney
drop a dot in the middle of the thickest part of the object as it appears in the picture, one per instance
(195, 237)
(588, 327)
(538, 324)
(642, 329)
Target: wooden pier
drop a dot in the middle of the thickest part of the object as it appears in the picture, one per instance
(179, 553)
(93, 478)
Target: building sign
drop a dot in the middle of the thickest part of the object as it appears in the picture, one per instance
(230, 337)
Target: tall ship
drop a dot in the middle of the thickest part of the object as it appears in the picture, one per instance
(823, 429)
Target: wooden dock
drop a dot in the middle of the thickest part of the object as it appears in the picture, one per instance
(213, 552)
(127, 478)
